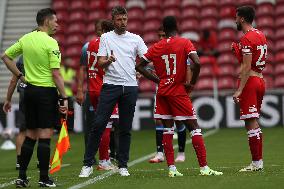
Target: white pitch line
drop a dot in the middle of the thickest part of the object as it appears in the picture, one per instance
(132, 163)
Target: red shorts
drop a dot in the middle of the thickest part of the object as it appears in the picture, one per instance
(94, 97)
(174, 107)
(251, 98)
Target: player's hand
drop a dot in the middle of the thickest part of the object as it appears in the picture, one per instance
(236, 96)
(111, 58)
(80, 97)
(188, 87)
(63, 106)
(7, 106)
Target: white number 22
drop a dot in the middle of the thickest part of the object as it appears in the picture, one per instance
(167, 62)
(263, 52)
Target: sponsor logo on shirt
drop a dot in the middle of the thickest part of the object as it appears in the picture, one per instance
(56, 53)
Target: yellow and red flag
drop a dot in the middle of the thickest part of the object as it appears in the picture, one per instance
(62, 146)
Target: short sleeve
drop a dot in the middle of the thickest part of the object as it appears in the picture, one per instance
(54, 54)
(102, 47)
(246, 46)
(142, 48)
(189, 47)
(84, 56)
(149, 55)
(15, 50)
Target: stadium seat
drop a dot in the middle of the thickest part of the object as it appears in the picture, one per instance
(135, 14)
(90, 29)
(226, 58)
(74, 51)
(60, 5)
(206, 71)
(246, 2)
(209, 23)
(135, 26)
(113, 3)
(152, 26)
(77, 27)
(204, 84)
(279, 57)
(62, 27)
(227, 23)
(227, 34)
(192, 36)
(78, 39)
(152, 14)
(172, 12)
(224, 3)
(279, 45)
(279, 69)
(225, 46)
(62, 16)
(189, 12)
(208, 3)
(268, 70)
(78, 5)
(268, 32)
(79, 16)
(150, 37)
(227, 12)
(96, 15)
(227, 70)
(97, 5)
(209, 12)
(189, 25)
(279, 22)
(279, 33)
(279, 10)
(269, 81)
(226, 82)
(60, 38)
(265, 9)
(271, 45)
(169, 4)
(192, 3)
(265, 21)
(132, 4)
(270, 58)
(156, 4)
(279, 81)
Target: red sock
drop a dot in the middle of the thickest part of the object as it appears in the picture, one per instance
(104, 145)
(199, 147)
(168, 145)
(255, 144)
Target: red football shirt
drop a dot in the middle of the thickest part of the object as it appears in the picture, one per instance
(169, 57)
(95, 73)
(254, 43)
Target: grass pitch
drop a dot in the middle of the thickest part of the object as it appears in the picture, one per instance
(227, 151)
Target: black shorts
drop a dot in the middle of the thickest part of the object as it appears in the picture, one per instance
(21, 121)
(41, 107)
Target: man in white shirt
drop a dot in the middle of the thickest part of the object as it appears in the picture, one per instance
(117, 53)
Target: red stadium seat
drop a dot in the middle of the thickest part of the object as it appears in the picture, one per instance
(279, 22)
(204, 84)
(265, 21)
(169, 4)
(78, 39)
(97, 5)
(226, 83)
(60, 5)
(269, 81)
(226, 58)
(279, 33)
(189, 25)
(279, 45)
(78, 5)
(114, 3)
(279, 10)
(227, 34)
(135, 14)
(192, 3)
(265, 9)
(153, 14)
(132, 4)
(279, 81)
(268, 32)
(209, 12)
(189, 12)
(96, 15)
(60, 38)
(207, 3)
(270, 58)
(74, 51)
(172, 12)
(135, 27)
(153, 4)
(150, 37)
(62, 28)
(279, 57)
(271, 45)
(62, 16)
(223, 3)
(227, 12)
(76, 28)
(227, 70)
(246, 2)
(279, 69)
(152, 25)
(90, 29)
(80, 16)
(206, 71)
(227, 23)
(268, 70)
(209, 23)
(225, 46)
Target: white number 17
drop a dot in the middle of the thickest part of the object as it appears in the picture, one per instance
(167, 62)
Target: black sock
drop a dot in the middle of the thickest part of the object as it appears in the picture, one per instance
(43, 154)
(18, 159)
(112, 145)
(181, 139)
(26, 155)
(159, 138)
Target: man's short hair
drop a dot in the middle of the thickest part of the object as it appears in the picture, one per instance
(169, 24)
(117, 11)
(247, 12)
(43, 14)
(107, 26)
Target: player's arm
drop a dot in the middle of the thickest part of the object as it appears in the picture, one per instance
(141, 68)
(194, 68)
(11, 89)
(104, 61)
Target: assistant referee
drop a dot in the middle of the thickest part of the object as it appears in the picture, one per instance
(41, 63)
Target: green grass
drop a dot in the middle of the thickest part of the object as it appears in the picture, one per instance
(227, 151)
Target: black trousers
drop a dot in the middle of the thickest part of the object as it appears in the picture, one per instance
(126, 97)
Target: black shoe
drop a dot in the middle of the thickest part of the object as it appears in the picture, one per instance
(17, 166)
(22, 183)
(46, 183)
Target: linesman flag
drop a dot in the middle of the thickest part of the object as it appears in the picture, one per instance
(62, 146)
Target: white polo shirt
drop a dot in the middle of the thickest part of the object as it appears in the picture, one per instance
(125, 48)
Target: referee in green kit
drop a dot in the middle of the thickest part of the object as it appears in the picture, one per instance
(41, 63)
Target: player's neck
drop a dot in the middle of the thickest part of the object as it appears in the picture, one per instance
(119, 32)
(246, 28)
(43, 29)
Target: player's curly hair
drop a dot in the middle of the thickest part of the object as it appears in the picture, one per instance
(170, 24)
(247, 12)
(43, 14)
(117, 11)
(107, 25)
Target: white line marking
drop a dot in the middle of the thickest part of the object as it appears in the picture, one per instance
(132, 163)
